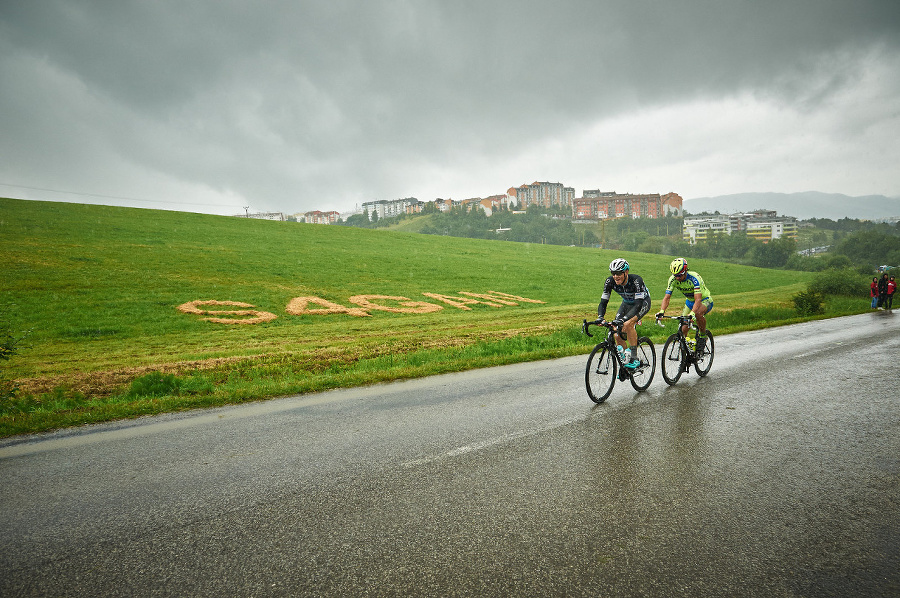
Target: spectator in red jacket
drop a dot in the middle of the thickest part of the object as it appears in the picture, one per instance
(874, 291)
(891, 287)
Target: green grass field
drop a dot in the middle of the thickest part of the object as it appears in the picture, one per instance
(99, 289)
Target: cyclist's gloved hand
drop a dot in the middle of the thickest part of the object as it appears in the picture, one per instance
(618, 323)
(660, 315)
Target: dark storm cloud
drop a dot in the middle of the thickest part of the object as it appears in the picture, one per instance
(303, 105)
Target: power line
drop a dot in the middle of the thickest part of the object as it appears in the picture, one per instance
(218, 205)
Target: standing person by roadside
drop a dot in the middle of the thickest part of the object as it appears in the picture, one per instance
(882, 290)
(873, 290)
(891, 287)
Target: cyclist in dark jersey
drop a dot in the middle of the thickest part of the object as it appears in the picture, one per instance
(635, 304)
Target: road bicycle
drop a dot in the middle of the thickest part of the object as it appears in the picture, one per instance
(605, 364)
(679, 352)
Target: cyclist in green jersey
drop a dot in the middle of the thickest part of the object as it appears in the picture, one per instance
(697, 297)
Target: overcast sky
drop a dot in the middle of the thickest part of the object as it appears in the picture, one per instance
(290, 105)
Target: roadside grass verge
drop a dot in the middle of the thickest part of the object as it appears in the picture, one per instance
(100, 288)
(252, 379)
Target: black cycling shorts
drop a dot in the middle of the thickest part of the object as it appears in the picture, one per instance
(630, 310)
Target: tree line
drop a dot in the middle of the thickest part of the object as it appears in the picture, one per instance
(537, 225)
(857, 244)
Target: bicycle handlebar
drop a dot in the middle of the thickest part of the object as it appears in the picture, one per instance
(684, 320)
(614, 325)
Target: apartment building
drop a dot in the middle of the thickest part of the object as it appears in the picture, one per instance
(601, 205)
(415, 207)
(774, 227)
(700, 228)
(318, 217)
(496, 202)
(388, 208)
(671, 205)
(764, 225)
(444, 205)
(543, 194)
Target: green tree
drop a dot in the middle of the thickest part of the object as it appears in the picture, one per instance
(809, 303)
(634, 240)
(774, 254)
(871, 248)
(357, 220)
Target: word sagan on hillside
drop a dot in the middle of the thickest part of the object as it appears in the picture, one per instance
(300, 306)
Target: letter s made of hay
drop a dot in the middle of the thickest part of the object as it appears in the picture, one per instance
(192, 307)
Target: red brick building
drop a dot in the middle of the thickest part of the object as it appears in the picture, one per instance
(318, 217)
(600, 205)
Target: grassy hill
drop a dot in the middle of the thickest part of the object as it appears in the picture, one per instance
(114, 294)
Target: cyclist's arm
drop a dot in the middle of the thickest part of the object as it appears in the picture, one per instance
(601, 309)
(665, 301)
(604, 298)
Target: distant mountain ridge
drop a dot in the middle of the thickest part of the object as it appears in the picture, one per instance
(806, 205)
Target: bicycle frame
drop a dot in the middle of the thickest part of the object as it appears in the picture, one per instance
(678, 350)
(598, 377)
(609, 342)
(689, 321)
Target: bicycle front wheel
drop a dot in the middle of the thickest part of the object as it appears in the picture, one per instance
(642, 375)
(705, 359)
(672, 360)
(600, 375)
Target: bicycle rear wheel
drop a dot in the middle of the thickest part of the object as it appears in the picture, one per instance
(705, 360)
(672, 360)
(642, 375)
(600, 375)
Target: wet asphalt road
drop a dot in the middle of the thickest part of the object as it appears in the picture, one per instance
(777, 475)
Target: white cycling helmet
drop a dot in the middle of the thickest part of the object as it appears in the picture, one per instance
(618, 265)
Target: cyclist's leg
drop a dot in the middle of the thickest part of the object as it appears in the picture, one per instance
(625, 314)
(642, 309)
(706, 305)
(634, 314)
(687, 310)
(630, 331)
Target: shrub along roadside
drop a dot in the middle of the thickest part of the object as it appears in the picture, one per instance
(809, 303)
(830, 283)
(845, 283)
